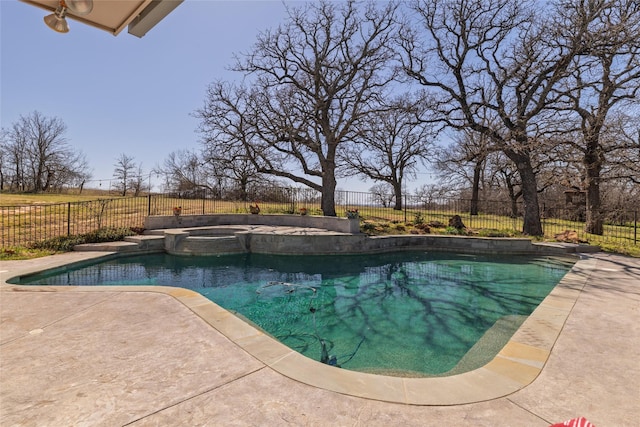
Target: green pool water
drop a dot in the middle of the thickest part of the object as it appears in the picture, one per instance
(403, 313)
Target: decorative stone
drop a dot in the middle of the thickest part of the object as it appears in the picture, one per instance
(456, 222)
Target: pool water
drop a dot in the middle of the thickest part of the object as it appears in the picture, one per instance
(402, 313)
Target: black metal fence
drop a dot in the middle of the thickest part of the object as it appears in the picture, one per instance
(28, 224)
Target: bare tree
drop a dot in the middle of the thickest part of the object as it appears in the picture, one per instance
(465, 160)
(431, 195)
(230, 163)
(497, 60)
(312, 80)
(621, 142)
(3, 163)
(14, 154)
(137, 181)
(37, 155)
(391, 143)
(503, 169)
(606, 75)
(383, 193)
(184, 172)
(74, 172)
(548, 169)
(124, 172)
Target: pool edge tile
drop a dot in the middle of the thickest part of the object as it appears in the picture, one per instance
(522, 373)
(314, 373)
(264, 348)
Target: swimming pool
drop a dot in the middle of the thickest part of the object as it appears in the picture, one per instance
(402, 313)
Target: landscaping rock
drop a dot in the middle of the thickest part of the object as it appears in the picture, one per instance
(456, 222)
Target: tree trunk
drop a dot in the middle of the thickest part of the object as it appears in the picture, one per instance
(244, 192)
(475, 190)
(512, 194)
(328, 202)
(514, 204)
(47, 183)
(397, 190)
(37, 183)
(532, 225)
(593, 166)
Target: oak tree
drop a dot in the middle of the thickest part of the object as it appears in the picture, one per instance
(308, 84)
(493, 65)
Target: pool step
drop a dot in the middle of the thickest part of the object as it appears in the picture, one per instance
(130, 244)
(107, 247)
(147, 243)
(202, 245)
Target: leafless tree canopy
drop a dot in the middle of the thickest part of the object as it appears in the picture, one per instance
(311, 81)
(35, 156)
(392, 143)
(126, 173)
(604, 79)
(495, 66)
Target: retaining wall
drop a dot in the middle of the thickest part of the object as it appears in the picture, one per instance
(342, 225)
(216, 234)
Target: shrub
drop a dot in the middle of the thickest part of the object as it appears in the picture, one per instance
(489, 232)
(368, 226)
(66, 243)
(455, 231)
(437, 224)
(423, 228)
(375, 227)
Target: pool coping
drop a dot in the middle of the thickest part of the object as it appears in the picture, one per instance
(517, 365)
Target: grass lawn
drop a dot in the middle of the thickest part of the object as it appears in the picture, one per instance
(48, 216)
(10, 199)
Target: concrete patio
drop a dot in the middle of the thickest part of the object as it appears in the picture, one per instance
(101, 356)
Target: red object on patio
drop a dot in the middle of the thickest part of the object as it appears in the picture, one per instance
(576, 422)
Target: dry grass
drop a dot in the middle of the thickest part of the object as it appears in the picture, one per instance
(11, 199)
(45, 216)
(20, 253)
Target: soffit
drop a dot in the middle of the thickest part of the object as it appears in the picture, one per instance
(109, 15)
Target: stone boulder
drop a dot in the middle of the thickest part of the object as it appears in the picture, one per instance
(456, 222)
(568, 236)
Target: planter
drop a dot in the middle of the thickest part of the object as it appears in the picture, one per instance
(354, 225)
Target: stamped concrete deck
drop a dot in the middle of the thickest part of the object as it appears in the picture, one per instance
(119, 356)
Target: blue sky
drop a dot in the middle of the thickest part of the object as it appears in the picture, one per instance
(125, 94)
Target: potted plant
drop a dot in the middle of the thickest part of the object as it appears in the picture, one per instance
(177, 211)
(303, 211)
(352, 213)
(254, 209)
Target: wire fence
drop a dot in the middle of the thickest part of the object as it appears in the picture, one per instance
(29, 224)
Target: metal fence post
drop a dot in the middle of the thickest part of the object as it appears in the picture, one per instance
(405, 207)
(68, 218)
(635, 227)
(149, 204)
